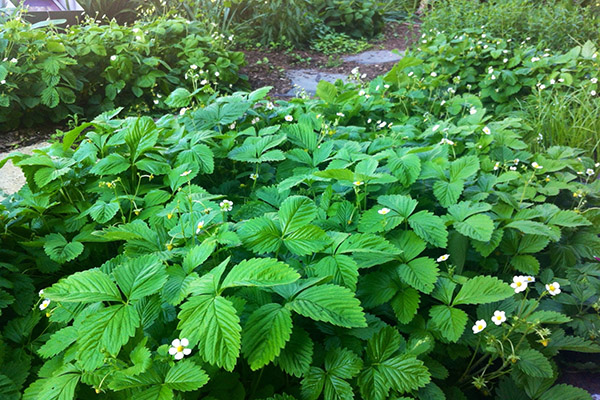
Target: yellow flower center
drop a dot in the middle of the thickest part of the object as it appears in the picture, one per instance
(499, 317)
(519, 284)
(551, 287)
(480, 327)
(169, 216)
(179, 349)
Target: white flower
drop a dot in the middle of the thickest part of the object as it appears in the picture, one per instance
(289, 118)
(361, 92)
(513, 168)
(2, 81)
(41, 292)
(594, 80)
(179, 348)
(447, 141)
(182, 111)
(358, 183)
(411, 73)
(44, 304)
(13, 60)
(226, 205)
(534, 59)
(194, 67)
(479, 326)
(434, 74)
(497, 166)
(232, 126)
(536, 165)
(552, 81)
(593, 93)
(382, 124)
(435, 128)
(138, 38)
(340, 114)
(499, 317)
(597, 165)
(255, 120)
(354, 71)
(186, 173)
(505, 60)
(113, 57)
(519, 284)
(553, 288)
(204, 82)
(589, 172)
(199, 227)
(386, 86)
(487, 130)
(155, 101)
(254, 176)
(217, 73)
(473, 110)
(443, 258)
(384, 211)
(529, 279)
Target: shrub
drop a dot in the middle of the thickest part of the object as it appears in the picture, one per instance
(554, 24)
(357, 18)
(339, 246)
(48, 75)
(336, 43)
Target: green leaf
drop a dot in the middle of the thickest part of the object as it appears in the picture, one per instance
(464, 167)
(296, 356)
(533, 363)
(429, 227)
(185, 376)
(384, 344)
(60, 250)
(420, 273)
(450, 321)
(526, 264)
(564, 392)
(313, 383)
(180, 97)
(483, 289)
(532, 244)
(260, 272)
(406, 168)
(265, 334)
(213, 323)
(197, 255)
(448, 193)
(404, 373)
(140, 277)
(106, 330)
(568, 219)
(260, 235)
(103, 212)
(342, 363)
(306, 240)
(62, 385)
(402, 205)
(58, 342)
(405, 304)
(343, 269)
(479, 227)
(86, 287)
(548, 317)
(326, 91)
(532, 228)
(112, 164)
(330, 303)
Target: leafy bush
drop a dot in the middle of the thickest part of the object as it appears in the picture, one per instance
(48, 75)
(349, 245)
(121, 10)
(554, 23)
(357, 18)
(338, 43)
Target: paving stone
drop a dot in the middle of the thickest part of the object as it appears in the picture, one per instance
(11, 177)
(374, 57)
(596, 397)
(309, 79)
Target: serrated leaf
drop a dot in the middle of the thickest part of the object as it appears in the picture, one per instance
(533, 363)
(564, 392)
(343, 269)
(60, 250)
(450, 321)
(532, 228)
(58, 342)
(420, 273)
(296, 212)
(261, 235)
(448, 193)
(265, 334)
(548, 317)
(185, 376)
(112, 164)
(330, 303)
(197, 255)
(479, 227)
(405, 304)
(86, 287)
(296, 356)
(260, 272)
(212, 323)
(463, 168)
(140, 277)
(429, 227)
(306, 240)
(103, 212)
(526, 264)
(532, 244)
(568, 218)
(406, 168)
(483, 289)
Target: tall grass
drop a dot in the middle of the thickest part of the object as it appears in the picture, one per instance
(560, 118)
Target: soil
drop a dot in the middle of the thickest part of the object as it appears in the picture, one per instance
(14, 140)
(581, 370)
(395, 36)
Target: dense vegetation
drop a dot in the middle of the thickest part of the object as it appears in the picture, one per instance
(429, 234)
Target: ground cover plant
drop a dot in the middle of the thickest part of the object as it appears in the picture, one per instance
(49, 75)
(388, 239)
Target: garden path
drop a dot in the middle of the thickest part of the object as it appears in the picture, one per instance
(307, 79)
(11, 177)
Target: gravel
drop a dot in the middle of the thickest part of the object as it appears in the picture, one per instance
(11, 177)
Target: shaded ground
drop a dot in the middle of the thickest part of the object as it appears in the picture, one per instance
(273, 73)
(13, 140)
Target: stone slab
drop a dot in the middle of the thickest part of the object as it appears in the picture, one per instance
(374, 57)
(309, 79)
(11, 177)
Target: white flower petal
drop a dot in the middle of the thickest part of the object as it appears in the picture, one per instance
(176, 343)
(187, 352)
(178, 356)
(185, 342)
(172, 351)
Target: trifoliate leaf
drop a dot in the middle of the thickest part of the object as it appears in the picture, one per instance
(185, 376)
(420, 273)
(60, 250)
(448, 193)
(265, 334)
(479, 227)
